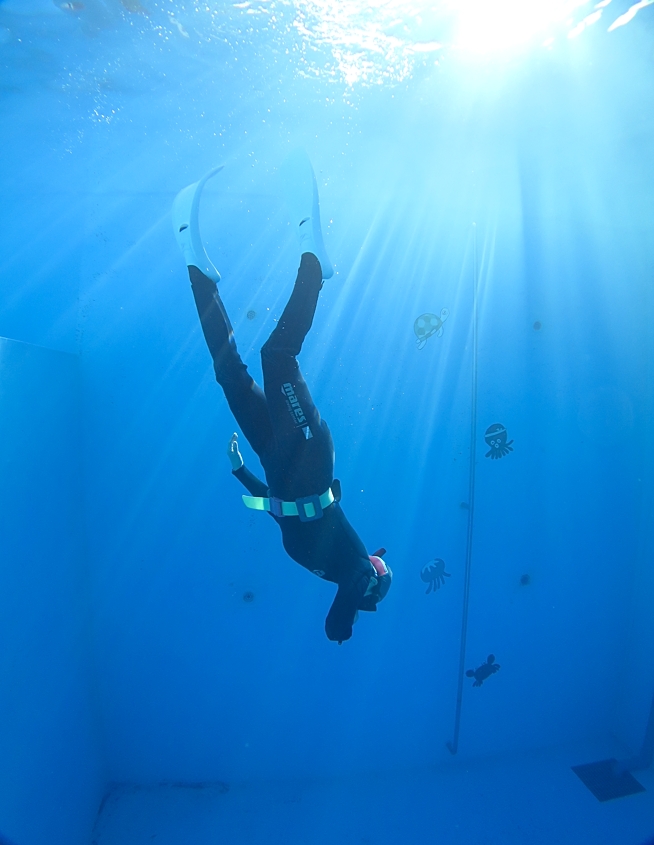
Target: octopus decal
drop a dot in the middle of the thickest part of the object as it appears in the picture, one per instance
(496, 438)
(434, 574)
(427, 325)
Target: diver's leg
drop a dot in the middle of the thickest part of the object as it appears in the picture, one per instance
(303, 443)
(297, 318)
(281, 374)
(245, 398)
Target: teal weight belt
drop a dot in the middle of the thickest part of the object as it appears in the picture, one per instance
(307, 508)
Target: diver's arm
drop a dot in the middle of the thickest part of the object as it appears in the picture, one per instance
(342, 613)
(252, 484)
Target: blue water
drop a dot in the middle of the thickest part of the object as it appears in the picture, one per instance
(164, 672)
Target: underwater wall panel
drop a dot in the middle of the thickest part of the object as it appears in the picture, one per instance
(43, 191)
(51, 764)
(532, 179)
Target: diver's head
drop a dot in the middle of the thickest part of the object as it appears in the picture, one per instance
(379, 585)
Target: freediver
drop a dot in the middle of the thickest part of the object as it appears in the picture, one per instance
(281, 422)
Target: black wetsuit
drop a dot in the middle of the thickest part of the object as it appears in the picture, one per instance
(293, 443)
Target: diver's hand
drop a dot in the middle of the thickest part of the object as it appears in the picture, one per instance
(235, 457)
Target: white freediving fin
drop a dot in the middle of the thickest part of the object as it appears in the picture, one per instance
(186, 207)
(301, 194)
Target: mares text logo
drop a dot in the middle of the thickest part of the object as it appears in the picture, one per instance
(296, 411)
(294, 405)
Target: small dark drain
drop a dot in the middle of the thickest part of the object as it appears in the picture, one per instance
(606, 780)
(248, 596)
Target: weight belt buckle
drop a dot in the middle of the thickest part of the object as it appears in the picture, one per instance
(302, 503)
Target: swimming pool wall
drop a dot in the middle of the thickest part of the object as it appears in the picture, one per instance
(125, 602)
(52, 776)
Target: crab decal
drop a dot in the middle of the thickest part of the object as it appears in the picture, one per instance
(490, 667)
(496, 438)
(434, 574)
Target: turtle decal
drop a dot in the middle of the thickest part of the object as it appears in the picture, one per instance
(490, 667)
(496, 437)
(427, 325)
(434, 574)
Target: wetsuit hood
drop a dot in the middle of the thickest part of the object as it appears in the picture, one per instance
(380, 584)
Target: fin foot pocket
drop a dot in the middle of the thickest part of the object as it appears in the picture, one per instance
(301, 193)
(185, 213)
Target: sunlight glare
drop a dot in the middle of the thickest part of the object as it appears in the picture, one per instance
(505, 24)
(630, 14)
